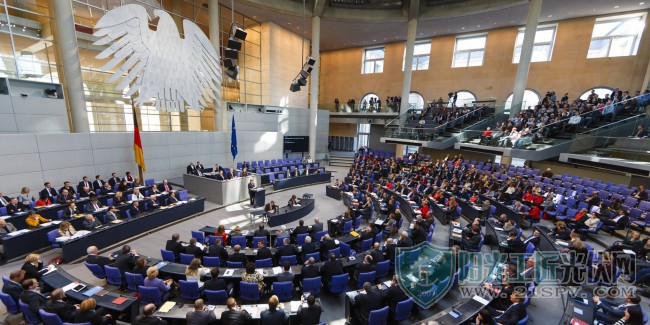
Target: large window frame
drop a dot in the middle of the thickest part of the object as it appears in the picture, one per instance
(542, 47)
(371, 63)
(421, 56)
(467, 54)
(616, 36)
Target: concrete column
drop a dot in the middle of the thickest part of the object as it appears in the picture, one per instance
(534, 8)
(408, 63)
(219, 110)
(70, 64)
(313, 87)
(646, 78)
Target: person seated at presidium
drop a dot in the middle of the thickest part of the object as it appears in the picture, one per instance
(293, 201)
(271, 207)
(34, 220)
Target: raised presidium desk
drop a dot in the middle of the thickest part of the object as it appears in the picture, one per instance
(178, 312)
(116, 232)
(221, 192)
(288, 214)
(59, 278)
(279, 184)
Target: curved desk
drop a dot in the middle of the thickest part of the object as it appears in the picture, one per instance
(288, 214)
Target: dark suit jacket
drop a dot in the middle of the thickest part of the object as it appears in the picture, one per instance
(308, 249)
(300, 230)
(108, 217)
(331, 268)
(81, 185)
(34, 299)
(263, 253)
(90, 208)
(316, 227)
(392, 296)
(194, 250)
(407, 242)
(143, 320)
(124, 262)
(310, 271)
(65, 311)
(199, 317)
(15, 290)
(71, 191)
(113, 181)
(48, 191)
(61, 199)
(31, 271)
(512, 315)
(68, 213)
(161, 187)
(135, 211)
(278, 316)
(261, 233)
(310, 315)
(14, 208)
(215, 284)
(97, 184)
(89, 316)
(390, 253)
(377, 256)
(99, 260)
(234, 317)
(363, 268)
(238, 257)
(218, 251)
(368, 302)
(90, 225)
(287, 250)
(418, 235)
(516, 245)
(326, 246)
(534, 240)
(175, 247)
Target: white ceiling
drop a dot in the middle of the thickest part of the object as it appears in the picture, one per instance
(365, 30)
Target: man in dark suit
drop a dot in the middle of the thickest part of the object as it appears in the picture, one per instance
(516, 311)
(404, 240)
(48, 190)
(390, 250)
(251, 191)
(70, 211)
(112, 214)
(286, 275)
(310, 269)
(618, 221)
(175, 246)
(534, 239)
(200, 315)
(367, 302)
(192, 249)
(85, 182)
(4, 200)
(472, 241)
(393, 295)
(66, 186)
(300, 229)
(199, 166)
(65, 197)
(311, 314)
(14, 287)
(316, 227)
(94, 205)
(98, 183)
(135, 209)
(114, 180)
(90, 222)
(94, 258)
(261, 232)
(287, 249)
(237, 256)
(148, 318)
(125, 260)
(215, 283)
(191, 169)
(515, 244)
(326, 245)
(165, 186)
(31, 296)
(418, 234)
(105, 189)
(56, 305)
(263, 252)
(219, 176)
(364, 267)
(234, 316)
(14, 206)
(217, 250)
(308, 248)
(331, 268)
(377, 254)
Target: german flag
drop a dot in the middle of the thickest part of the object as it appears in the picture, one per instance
(137, 144)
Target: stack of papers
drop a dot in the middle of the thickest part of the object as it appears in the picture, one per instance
(277, 270)
(229, 272)
(457, 230)
(167, 306)
(16, 233)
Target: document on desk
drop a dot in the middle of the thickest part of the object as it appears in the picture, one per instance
(295, 305)
(457, 230)
(16, 233)
(277, 270)
(253, 310)
(498, 228)
(481, 300)
(167, 306)
(229, 272)
(70, 286)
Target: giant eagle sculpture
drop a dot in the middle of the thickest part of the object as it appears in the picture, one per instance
(166, 70)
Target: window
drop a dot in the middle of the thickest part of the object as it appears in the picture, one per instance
(600, 91)
(469, 51)
(373, 60)
(543, 44)
(616, 36)
(531, 98)
(363, 132)
(416, 100)
(421, 53)
(464, 97)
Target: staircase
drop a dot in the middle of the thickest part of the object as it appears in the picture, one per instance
(341, 160)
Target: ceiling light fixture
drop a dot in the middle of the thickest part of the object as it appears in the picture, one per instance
(616, 7)
(550, 16)
(641, 3)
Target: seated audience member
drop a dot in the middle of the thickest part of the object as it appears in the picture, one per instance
(472, 241)
(25, 197)
(114, 180)
(633, 315)
(56, 305)
(71, 211)
(311, 314)
(90, 222)
(85, 182)
(67, 187)
(106, 189)
(418, 234)
(514, 313)
(237, 256)
(286, 275)
(310, 269)
(140, 267)
(97, 183)
(119, 199)
(274, 315)
(94, 205)
(174, 245)
(42, 201)
(535, 238)
(376, 253)
(32, 296)
(364, 267)
(88, 314)
(332, 267)
(293, 201)
(86, 192)
(165, 287)
(367, 302)
(14, 287)
(609, 312)
(6, 227)
(236, 231)
(65, 197)
(94, 257)
(135, 209)
(300, 229)
(152, 204)
(172, 199)
(404, 240)
(215, 283)
(263, 252)
(154, 191)
(502, 301)
(66, 229)
(309, 247)
(48, 191)
(125, 259)
(193, 249)
(112, 215)
(233, 315)
(515, 244)
(316, 227)
(33, 267)
(217, 250)
(137, 196)
(484, 317)
(261, 232)
(194, 271)
(640, 193)
(148, 318)
(165, 186)
(287, 249)
(393, 295)
(251, 276)
(201, 315)
(327, 244)
(560, 231)
(123, 186)
(618, 221)
(34, 220)
(14, 207)
(605, 270)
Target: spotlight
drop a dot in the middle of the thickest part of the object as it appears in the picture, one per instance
(234, 44)
(301, 78)
(229, 63)
(294, 87)
(231, 54)
(237, 32)
(232, 72)
(302, 81)
(310, 60)
(230, 108)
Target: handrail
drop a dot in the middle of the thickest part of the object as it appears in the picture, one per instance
(637, 116)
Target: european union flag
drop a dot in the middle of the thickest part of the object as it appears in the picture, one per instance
(233, 140)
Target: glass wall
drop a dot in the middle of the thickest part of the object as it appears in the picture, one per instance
(27, 52)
